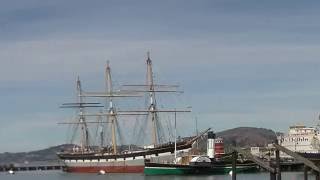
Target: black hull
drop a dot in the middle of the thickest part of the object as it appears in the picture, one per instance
(313, 156)
(144, 153)
(175, 169)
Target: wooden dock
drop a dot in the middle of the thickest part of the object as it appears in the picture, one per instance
(275, 167)
(32, 166)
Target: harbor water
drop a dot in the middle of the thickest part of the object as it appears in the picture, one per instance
(58, 175)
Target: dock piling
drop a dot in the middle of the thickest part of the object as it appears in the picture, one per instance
(305, 172)
(234, 165)
(273, 176)
(278, 167)
(317, 175)
(272, 173)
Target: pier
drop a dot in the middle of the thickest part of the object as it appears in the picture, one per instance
(32, 166)
(275, 167)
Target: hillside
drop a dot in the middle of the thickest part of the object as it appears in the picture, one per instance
(48, 154)
(242, 136)
(247, 136)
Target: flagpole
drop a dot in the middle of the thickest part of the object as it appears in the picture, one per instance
(175, 137)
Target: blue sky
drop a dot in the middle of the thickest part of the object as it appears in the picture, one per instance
(240, 62)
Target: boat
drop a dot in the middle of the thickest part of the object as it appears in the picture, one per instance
(110, 159)
(302, 140)
(102, 172)
(215, 162)
(11, 171)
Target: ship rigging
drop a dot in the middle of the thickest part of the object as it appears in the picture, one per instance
(88, 158)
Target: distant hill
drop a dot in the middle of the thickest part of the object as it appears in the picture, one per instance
(242, 136)
(248, 136)
(48, 154)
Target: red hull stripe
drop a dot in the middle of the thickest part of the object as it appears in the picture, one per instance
(107, 169)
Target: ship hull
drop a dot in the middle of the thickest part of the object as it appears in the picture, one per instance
(116, 166)
(310, 156)
(120, 165)
(107, 169)
(132, 162)
(172, 169)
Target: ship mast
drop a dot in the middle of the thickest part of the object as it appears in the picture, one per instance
(151, 88)
(100, 130)
(81, 121)
(112, 114)
(152, 106)
(84, 144)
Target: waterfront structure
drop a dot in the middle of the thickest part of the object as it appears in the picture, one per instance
(301, 139)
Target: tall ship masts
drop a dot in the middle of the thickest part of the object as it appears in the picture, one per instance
(114, 159)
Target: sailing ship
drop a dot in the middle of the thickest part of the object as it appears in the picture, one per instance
(92, 159)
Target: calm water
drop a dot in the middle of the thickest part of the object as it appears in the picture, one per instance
(58, 175)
